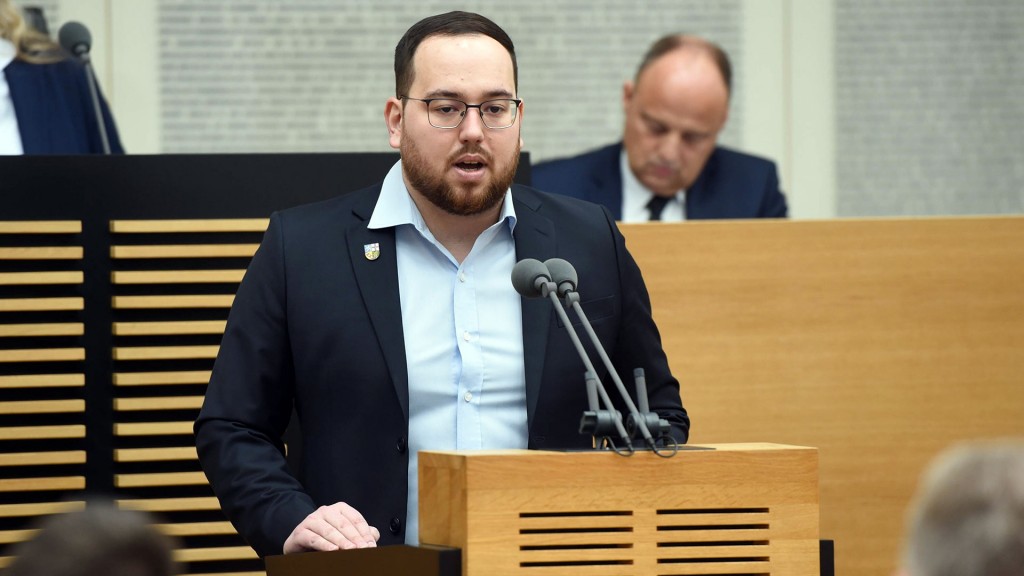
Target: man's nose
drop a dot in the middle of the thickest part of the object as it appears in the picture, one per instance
(671, 146)
(472, 127)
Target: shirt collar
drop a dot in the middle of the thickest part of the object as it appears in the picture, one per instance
(395, 206)
(635, 195)
(7, 53)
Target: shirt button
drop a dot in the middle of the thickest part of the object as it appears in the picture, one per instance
(467, 336)
(468, 396)
(462, 276)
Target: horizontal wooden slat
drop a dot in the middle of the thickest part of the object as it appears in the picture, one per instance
(712, 519)
(211, 554)
(38, 509)
(42, 381)
(152, 428)
(40, 278)
(228, 574)
(52, 329)
(42, 484)
(43, 355)
(197, 528)
(197, 301)
(158, 403)
(42, 458)
(204, 225)
(164, 352)
(592, 555)
(169, 328)
(42, 407)
(42, 432)
(160, 479)
(42, 253)
(155, 454)
(723, 568)
(172, 504)
(40, 304)
(610, 521)
(605, 570)
(178, 277)
(183, 251)
(15, 536)
(688, 552)
(687, 569)
(160, 378)
(575, 538)
(40, 227)
(686, 536)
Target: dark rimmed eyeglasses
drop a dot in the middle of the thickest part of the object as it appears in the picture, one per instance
(448, 113)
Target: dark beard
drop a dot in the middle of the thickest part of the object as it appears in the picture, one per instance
(432, 186)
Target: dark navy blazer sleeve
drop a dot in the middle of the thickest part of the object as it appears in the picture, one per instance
(247, 407)
(301, 333)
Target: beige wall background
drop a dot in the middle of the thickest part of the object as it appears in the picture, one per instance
(870, 108)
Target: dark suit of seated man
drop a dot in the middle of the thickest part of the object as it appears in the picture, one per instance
(668, 166)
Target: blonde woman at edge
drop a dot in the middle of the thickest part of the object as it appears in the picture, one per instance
(45, 105)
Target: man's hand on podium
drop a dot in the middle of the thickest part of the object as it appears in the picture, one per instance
(334, 527)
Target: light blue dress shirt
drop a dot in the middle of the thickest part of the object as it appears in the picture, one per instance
(463, 328)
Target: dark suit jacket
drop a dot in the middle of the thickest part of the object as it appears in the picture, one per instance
(317, 324)
(54, 109)
(732, 184)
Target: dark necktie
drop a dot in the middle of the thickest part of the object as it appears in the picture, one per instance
(656, 205)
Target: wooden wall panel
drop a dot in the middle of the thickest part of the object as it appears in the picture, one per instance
(878, 341)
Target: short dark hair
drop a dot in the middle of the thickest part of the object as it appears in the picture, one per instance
(450, 24)
(674, 42)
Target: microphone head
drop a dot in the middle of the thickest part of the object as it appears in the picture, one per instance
(75, 38)
(525, 274)
(563, 275)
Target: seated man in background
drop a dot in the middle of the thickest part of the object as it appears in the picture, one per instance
(968, 516)
(668, 165)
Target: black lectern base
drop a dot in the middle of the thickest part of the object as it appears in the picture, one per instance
(383, 561)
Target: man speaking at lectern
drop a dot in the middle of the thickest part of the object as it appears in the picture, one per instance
(388, 319)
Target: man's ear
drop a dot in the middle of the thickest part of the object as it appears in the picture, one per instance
(522, 110)
(627, 93)
(393, 114)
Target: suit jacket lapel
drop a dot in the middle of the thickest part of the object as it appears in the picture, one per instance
(378, 284)
(606, 181)
(534, 238)
(697, 196)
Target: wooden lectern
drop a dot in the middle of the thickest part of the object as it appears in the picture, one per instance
(737, 509)
(723, 509)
